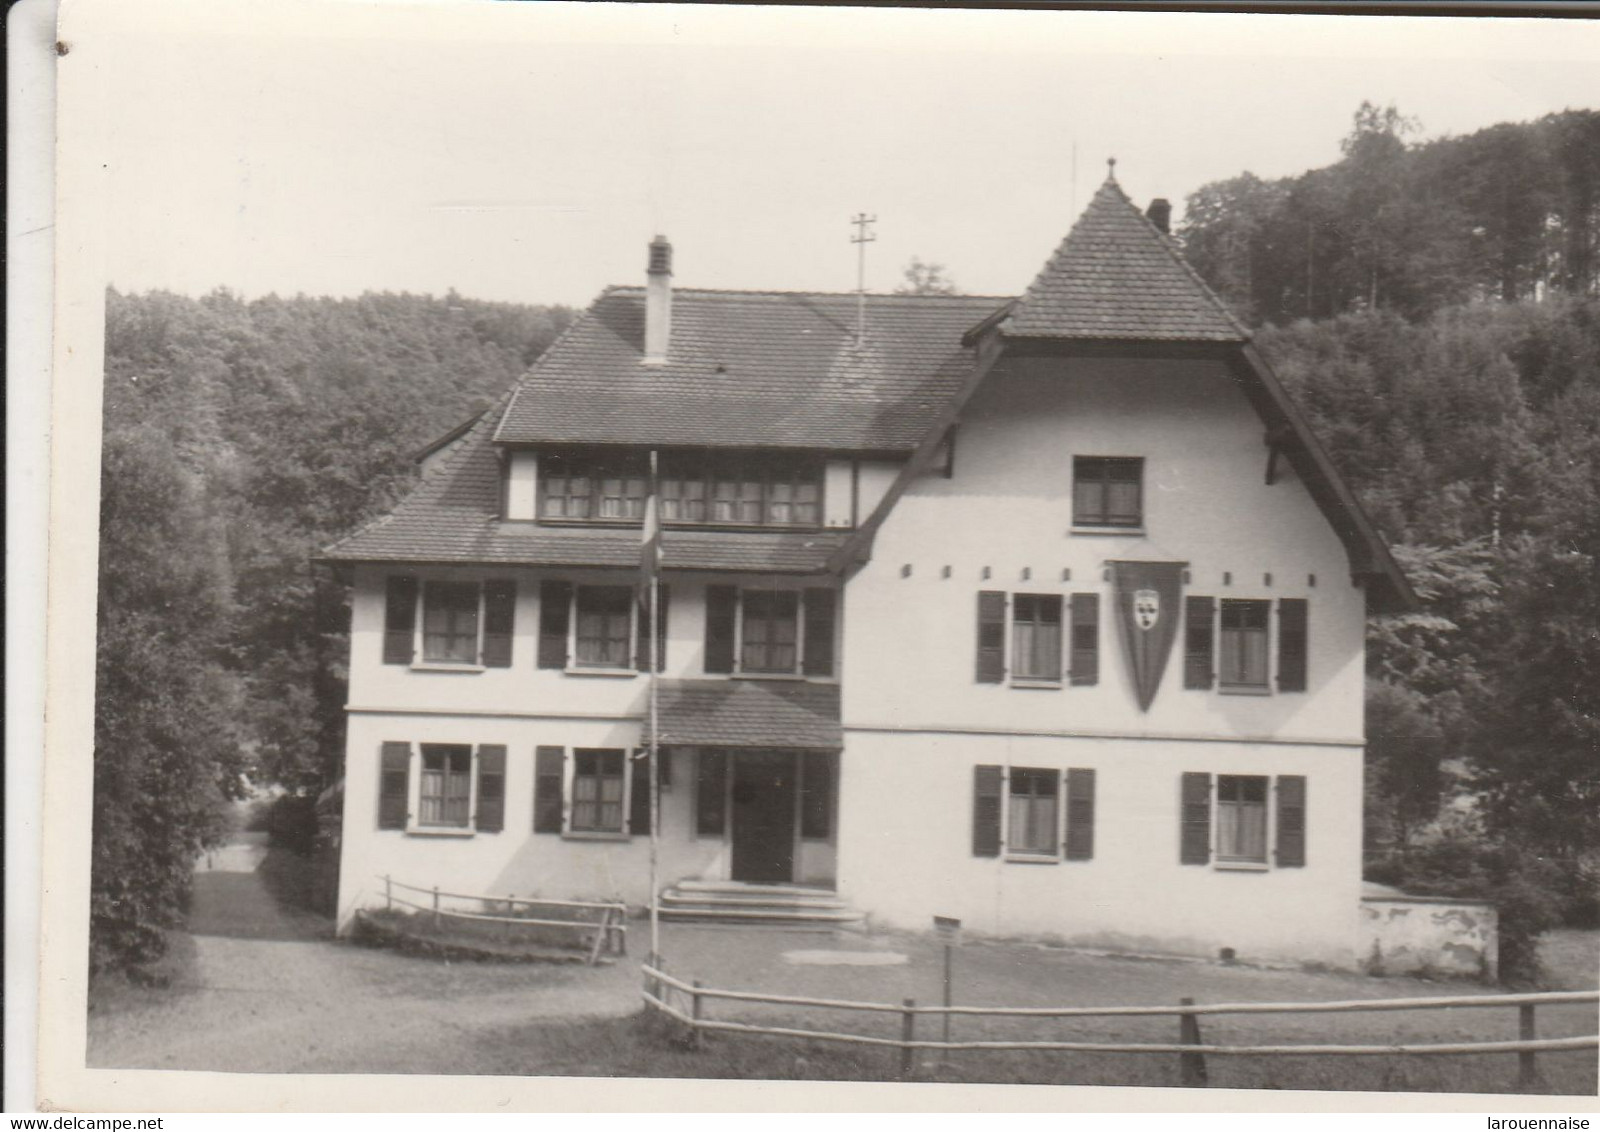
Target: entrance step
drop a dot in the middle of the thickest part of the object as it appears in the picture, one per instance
(752, 904)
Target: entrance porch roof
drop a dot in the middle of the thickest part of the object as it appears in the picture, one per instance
(781, 714)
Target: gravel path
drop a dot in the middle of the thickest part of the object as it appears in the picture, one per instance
(271, 992)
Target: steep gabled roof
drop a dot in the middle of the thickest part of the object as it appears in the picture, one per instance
(453, 516)
(1118, 277)
(750, 369)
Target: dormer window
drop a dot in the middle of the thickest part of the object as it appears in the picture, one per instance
(734, 489)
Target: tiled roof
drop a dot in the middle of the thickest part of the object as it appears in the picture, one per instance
(749, 713)
(1117, 276)
(750, 368)
(452, 515)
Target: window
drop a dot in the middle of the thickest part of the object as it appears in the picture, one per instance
(1107, 491)
(1244, 644)
(593, 488)
(1036, 637)
(766, 632)
(1236, 813)
(605, 626)
(734, 489)
(450, 623)
(1032, 820)
(816, 795)
(598, 790)
(457, 789)
(1241, 818)
(597, 627)
(770, 641)
(446, 794)
(1035, 626)
(462, 622)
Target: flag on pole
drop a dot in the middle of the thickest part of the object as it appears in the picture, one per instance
(650, 548)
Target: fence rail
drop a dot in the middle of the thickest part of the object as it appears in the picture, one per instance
(1190, 1048)
(609, 930)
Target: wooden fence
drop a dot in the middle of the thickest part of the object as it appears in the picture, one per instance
(602, 926)
(661, 988)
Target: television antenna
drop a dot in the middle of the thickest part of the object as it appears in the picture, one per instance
(863, 236)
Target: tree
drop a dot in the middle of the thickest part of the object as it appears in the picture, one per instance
(167, 750)
(925, 279)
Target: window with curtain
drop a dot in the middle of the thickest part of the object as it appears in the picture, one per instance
(1242, 818)
(1243, 660)
(604, 626)
(445, 797)
(1036, 637)
(599, 790)
(770, 641)
(450, 622)
(1033, 820)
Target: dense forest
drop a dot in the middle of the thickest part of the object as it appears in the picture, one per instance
(1434, 306)
(240, 438)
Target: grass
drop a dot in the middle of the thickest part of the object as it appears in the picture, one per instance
(645, 1045)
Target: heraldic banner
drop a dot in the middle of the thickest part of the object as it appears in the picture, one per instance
(1149, 606)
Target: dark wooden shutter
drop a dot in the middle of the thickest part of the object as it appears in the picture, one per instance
(1291, 821)
(499, 621)
(555, 615)
(547, 789)
(641, 637)
(491, 787)
(394, 785)
(1195, 823)
(711, 792)
(720, 605)
(1085, 639)
(1199, 664)
(819, 632)
(1080, 814)
(987, 784)
(991, 636)
(1292, 644)
(399, 620)
(639, 794)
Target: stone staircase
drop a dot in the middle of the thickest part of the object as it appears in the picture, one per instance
(757, 905)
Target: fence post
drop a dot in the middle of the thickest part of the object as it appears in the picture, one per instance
(1191, 1066)
(436, 907)
(696, 1004)
(908, 1033)
(388, 893)
(1527, 1064)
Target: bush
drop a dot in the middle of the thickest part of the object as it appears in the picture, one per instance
(292, 824)
(1530, 892)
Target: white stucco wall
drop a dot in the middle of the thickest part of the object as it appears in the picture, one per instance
(1408, 934)
(917, 721)
(912, 859)
(1007, 510)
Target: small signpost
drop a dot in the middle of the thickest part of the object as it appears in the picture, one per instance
(948, 929)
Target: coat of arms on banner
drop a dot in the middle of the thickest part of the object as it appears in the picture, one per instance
(1146, 608)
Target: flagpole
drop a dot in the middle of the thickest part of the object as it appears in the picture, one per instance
(653, 553)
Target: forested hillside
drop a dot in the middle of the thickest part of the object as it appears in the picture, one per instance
(240, 438)
(1452, 367)
(1511, 212)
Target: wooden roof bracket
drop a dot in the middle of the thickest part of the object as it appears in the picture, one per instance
(857, 549)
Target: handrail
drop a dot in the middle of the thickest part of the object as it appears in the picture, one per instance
(614, 905)
(1332, 1006)
(1529, 1046)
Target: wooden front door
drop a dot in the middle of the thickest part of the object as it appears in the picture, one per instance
(763, 816)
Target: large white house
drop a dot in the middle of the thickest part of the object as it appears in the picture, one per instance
(1043, 613)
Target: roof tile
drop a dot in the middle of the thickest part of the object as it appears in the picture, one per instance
(1117, 276)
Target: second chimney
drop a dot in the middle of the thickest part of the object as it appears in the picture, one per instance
(658, 303)
(1160, 214)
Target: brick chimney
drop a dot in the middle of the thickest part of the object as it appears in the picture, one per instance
(658, 303)
(1160, 214)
